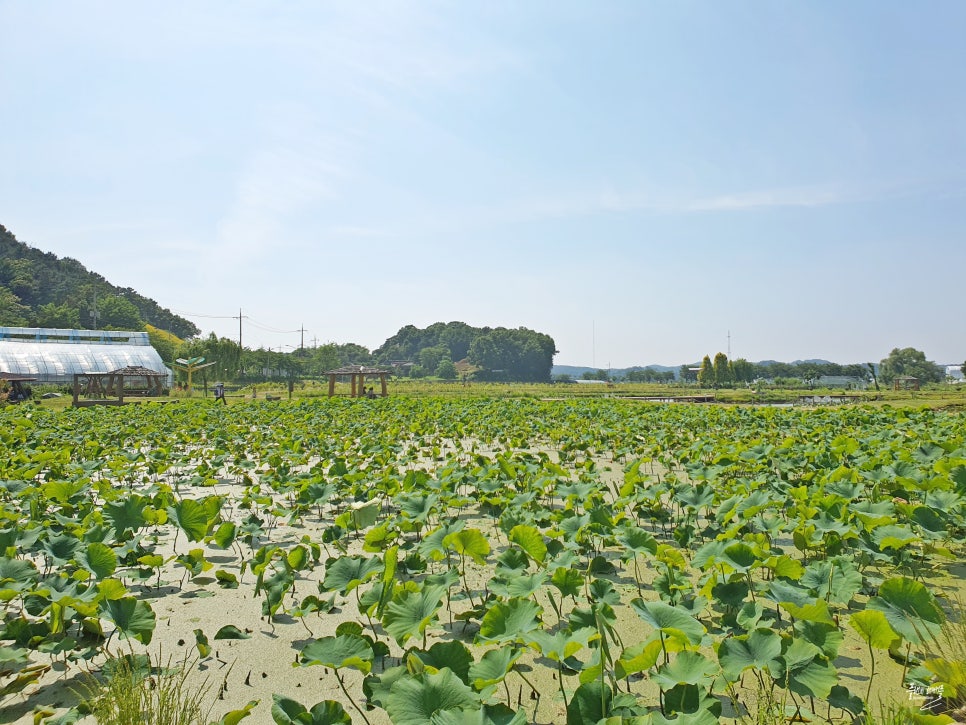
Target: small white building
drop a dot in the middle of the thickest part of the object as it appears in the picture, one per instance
(954, 374)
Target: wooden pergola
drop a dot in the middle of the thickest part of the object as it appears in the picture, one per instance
(358, 374)
(905, 382)
(109, 388)
(18, 388)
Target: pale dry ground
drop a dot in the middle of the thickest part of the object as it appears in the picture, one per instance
(239, 671)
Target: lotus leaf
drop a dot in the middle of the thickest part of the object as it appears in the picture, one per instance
(347, 650)
(415, 700)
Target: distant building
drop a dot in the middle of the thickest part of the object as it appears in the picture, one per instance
(54, 356)
(954, 374)
(848, 382)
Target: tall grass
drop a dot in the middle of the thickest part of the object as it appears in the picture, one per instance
(132, 690)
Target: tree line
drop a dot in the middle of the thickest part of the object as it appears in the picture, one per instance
(720, 372)
(482, 354)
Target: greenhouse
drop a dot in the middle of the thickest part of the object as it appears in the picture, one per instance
(55, 356)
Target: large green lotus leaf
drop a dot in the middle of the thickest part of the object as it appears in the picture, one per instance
(127, 513)
(826, 636)
(17, 572)
(365, 515)
(409, 613)
(669, 620)
(345, 574)
(894, 536)
(688, 700)
(493, 667)
(709, 554)
(740, 557)
(431, 547)
(931, 520)
(192, 517)
(224, 535)
(562, 644)
(817, 611)
(316, 493)
(519, 585)
(498, 714)
(783, 591)
(286, 711)
(804, 670)
(784, 566)
(589, 704)
(637, 540)
(414, 700)
(345, 650)
(509, 621)
(759, 649)
(530, 540)
(874, 628)
(637, 658)
(132, 617)
(452, 655)
(568, 581)
(731, 594)
(688, 668)
(910, 608)
(61, 548)
(99, 559)
(469, 542)
(376, 688)
(835, 579)
(230, 631)
(417, 507)
(841, 698)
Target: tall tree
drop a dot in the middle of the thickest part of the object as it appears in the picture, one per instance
(706, 373)
(722, 372)
(909, 362)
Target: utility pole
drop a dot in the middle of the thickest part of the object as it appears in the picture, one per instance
(239, 328)
(302, 343)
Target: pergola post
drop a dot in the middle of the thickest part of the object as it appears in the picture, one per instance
(382, 379)
(331, 384)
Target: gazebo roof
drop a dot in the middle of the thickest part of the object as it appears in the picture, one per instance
(13, 377)
(358, 370)
(138, 370)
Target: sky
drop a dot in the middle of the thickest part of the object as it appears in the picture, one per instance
(646, 182)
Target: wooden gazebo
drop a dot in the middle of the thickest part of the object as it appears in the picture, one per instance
(16, 387)
(358, 374)
(905, 382)
(109, 388)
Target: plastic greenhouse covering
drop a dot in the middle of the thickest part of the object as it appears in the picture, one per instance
(54, 356)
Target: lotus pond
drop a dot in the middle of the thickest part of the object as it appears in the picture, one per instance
(487, 561)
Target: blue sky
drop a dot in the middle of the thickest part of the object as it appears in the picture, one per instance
(636, 179)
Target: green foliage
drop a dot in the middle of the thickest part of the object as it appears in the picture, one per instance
(134, 693)
(47, 291)
(909, 362)
(503, 354)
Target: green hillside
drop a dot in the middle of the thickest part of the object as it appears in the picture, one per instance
(39, 289)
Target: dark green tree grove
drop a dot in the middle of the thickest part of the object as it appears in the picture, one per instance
(909, 362)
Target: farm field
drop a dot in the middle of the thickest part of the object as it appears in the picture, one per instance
(481, 560)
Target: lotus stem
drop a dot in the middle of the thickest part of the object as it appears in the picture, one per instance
(338, 677)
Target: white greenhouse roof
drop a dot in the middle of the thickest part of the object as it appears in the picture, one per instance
(54, 356)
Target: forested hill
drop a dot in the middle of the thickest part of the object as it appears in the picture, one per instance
(39, 289)
(498, 353)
